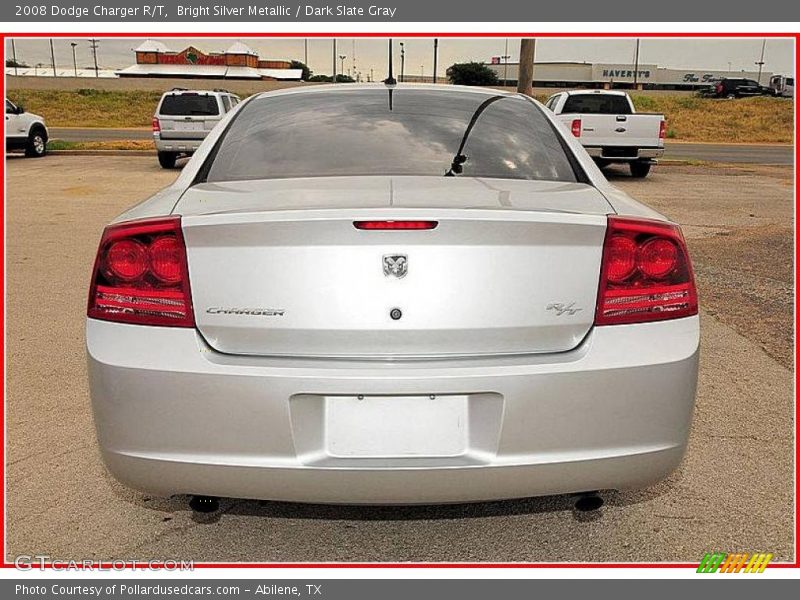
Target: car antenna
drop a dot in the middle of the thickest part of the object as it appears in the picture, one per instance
(390, 80)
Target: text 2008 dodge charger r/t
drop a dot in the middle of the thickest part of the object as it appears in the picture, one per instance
(380, 294)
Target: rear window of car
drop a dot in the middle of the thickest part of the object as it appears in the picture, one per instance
(380, 131)
(189, 104)
(602, 104)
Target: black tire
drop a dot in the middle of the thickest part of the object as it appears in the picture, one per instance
(601, 164)
(36, 146)
(167, 159)
(640, 169)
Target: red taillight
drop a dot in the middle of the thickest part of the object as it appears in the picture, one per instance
(719, 88)
(576, 127)
(156, 126)
(662, 131)
(646, 274)
(394, 225)
(141, 276)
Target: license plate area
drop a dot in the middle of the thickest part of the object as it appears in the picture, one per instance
(396, 426)
(395, 430)
(189, 125)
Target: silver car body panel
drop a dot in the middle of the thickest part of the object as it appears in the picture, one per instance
(504, 398)
(174, 416)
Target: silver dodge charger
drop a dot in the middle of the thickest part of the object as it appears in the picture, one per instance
(391, 294)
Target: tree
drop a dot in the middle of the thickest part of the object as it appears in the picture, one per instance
(472, 73)
(296, 64)
(328, 79)
(10, 63)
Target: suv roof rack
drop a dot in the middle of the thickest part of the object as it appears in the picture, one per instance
(178, 89)
(221, 90)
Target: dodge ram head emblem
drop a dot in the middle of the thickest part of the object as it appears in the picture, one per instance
(395, 265)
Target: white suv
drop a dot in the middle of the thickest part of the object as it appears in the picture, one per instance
(183, 119)
(25, 131)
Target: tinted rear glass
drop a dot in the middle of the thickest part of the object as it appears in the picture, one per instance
(375, 132)
(189, 104)
(602, 104)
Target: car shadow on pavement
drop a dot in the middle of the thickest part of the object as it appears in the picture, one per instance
(474, 510)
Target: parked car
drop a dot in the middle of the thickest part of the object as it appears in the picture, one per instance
(394, 295)
(609, 128)
(25, 131)
(782, 86)
(737, 88)
(184, 118)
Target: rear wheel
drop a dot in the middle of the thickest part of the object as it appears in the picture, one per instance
(167, 159)
(640, 169)
(36, 147)
(601, 164)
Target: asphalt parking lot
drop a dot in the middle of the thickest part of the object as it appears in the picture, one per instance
(734, 491)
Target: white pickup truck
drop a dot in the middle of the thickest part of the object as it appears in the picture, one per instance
(610, 129)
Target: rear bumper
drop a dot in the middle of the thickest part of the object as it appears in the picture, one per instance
(173, 416)
(176, 145)
(641, 154)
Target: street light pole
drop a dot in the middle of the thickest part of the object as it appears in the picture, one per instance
(74, 61)
(52, 57)
(342, 57)
(14, 54)
(334, 60)
(305, 51)
(636, 64)
(505, 66)
(402, 62)
(760, 62)
(435, 57)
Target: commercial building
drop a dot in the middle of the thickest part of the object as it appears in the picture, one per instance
(155, 59)
(617, 75)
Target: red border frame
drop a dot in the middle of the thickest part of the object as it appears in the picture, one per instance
(400, 34)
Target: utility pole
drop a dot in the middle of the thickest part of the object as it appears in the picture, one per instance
(14, 54)
(402, 62)
(527, 51)
(52, 57)
(760, 63)
(334, 60)
(93, 45)
(305, 51)
(354, 58)
(435, 57)
(636, 64)
(74, 61)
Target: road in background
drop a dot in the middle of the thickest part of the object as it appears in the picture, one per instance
(764, 154)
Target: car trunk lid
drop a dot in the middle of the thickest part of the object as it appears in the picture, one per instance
(278, 267)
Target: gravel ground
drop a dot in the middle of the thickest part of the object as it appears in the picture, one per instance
(733, 492)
